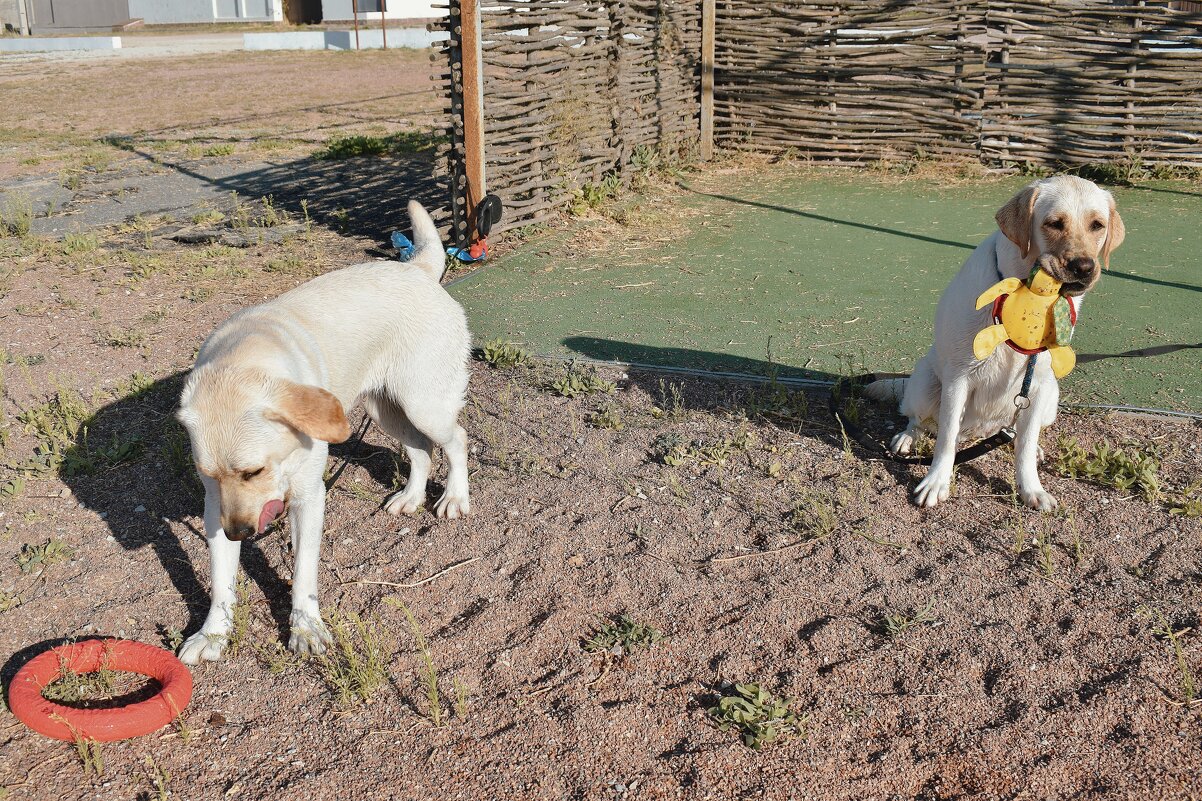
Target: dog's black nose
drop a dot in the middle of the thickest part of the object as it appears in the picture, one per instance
(239, 532)
(1082, 266)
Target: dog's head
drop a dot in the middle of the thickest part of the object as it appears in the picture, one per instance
(1069, 218)
(249, 431)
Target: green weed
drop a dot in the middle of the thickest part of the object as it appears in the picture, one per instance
(356, 665)
(402, 142)
(621, 636)
(428, 672)
(503, 355)
(895, 623)
(608, 418)
(577, 381)
(36, 558)
(159, 779)
(1110, 466)
(1161, 627)
(756, 714)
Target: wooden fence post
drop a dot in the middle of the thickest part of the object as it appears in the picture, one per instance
(707, 79)
(473, 108)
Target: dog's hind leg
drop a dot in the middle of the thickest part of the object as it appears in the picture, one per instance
(417, 446)
(436, 417)
(919, 402)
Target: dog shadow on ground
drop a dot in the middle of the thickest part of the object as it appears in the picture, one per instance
(131, 463)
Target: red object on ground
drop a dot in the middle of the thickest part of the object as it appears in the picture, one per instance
(103, 725)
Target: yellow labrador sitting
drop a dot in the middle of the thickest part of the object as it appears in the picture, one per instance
(270, 389)
(1065, 217)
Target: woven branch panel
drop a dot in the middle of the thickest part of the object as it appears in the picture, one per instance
(572, 88)
(1072, 81)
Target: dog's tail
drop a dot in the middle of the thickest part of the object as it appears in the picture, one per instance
(427, 244)
(887, 389)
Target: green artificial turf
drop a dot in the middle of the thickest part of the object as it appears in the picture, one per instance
(819, 275)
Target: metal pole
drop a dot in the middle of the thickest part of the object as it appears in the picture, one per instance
(355, 11)
(384, 22)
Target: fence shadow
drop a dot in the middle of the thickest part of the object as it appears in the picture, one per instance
(364, 196)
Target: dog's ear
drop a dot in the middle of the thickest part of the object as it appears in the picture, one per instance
(1015, 218)
(310, 410)
(1116, 232)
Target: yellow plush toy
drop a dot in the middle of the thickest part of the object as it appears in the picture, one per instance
(1030, 317)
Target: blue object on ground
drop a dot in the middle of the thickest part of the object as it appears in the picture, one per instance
(404, 248)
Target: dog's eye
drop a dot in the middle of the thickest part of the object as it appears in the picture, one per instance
(1096, 225)
(1057, 224)
(247, 475)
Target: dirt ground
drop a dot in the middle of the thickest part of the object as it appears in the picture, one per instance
(976, 650)
(254, 104)
(1036, 675)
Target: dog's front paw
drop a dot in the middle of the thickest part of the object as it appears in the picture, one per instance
(933, 489)
(405, 502)
(309, 635)
(1038, 500)
(202, 647)
(452, 506)
(902, 444)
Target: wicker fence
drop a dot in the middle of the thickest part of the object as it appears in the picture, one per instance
(1004, 82)
(572, 87)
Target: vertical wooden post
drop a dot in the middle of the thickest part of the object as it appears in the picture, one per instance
(473, 108)
(384, 21)
(355, 12)
(707, 79)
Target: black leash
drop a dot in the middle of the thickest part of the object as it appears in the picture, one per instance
(854, 432)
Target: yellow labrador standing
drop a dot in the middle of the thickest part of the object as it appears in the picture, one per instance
(270, 389)
(1066, 217)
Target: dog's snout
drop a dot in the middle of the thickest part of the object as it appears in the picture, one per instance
(1082, 266)
(239, 531)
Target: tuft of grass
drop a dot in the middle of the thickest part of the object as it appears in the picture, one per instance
(814, 514)
(622, 635)
(402, 142)
(159, 779)
(1111, 466)
(240, 619)
(593, 196)
(428, 672)
(90, 755)
(895, 623)
(503, 355)
(226, 149)
(671, 449)
(208, 217)
(1161, 627)
(36, 558)
(80, 243)
(121, 337)
(16, 216)
(461, 692)
(356, 666)
(577, 381)
(756, 714)
(671, 401)
(80, 688)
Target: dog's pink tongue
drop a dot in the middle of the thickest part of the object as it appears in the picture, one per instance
(271, 510)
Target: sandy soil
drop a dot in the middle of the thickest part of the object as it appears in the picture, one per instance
(1037, 676)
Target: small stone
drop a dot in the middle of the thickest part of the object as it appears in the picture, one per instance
(217, 719)
(139, 508)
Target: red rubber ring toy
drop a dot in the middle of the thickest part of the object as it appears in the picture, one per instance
(103, 725)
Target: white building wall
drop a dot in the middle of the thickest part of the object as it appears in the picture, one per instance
(337, 10)
(169, 12)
